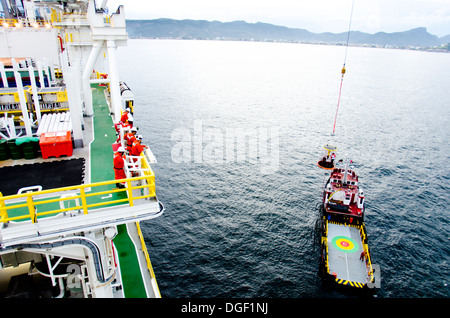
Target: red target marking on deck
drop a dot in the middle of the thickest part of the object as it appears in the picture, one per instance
(345, 244)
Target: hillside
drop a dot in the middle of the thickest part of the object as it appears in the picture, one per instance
(240, 30)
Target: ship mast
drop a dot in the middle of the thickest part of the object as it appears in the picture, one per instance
(347, 161)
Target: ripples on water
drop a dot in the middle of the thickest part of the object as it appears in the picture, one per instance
(230, 230)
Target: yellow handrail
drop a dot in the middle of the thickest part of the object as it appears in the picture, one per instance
(147, 257)
(55, 16)
(325, 241)
(8, 21)
(35, 201)
(145, 251)
(366, 249)
(3, 213)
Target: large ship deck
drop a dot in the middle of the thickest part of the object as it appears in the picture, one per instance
(347, 258)
(97, 153)
(344, 250)
(129, 239)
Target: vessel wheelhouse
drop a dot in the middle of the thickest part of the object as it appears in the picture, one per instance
(343, 196)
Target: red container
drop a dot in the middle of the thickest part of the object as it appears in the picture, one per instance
(56, 144)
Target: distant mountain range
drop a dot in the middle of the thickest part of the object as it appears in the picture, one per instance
(241, 30)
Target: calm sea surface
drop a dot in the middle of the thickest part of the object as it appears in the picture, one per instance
(233, 228)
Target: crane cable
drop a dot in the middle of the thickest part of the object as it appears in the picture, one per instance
(343, 68)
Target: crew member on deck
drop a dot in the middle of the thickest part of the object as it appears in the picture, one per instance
(119, 165)
(129, 122)
(125, 124)
(125, 115)
(137, 147)
(362, 256)
(129, 138)
(119, 139)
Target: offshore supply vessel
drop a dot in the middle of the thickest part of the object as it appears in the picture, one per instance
(345, 254)
(66, 228)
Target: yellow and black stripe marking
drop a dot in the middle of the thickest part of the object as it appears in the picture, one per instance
(347, 282)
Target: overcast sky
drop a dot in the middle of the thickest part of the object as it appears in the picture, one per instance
(314, 15)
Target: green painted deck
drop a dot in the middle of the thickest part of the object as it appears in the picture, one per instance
(104, 137)
(102, 170)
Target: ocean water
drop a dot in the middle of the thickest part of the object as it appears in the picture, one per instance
(241, 221)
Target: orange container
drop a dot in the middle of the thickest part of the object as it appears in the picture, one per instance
(56, 144)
